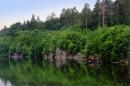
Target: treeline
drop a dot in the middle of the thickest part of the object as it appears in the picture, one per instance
(105, 13)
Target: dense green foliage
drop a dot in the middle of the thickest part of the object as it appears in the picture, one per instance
(71, 41)
(109, 43)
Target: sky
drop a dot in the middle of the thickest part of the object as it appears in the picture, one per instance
(12, 11)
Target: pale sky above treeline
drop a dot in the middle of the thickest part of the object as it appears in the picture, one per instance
(12, 11)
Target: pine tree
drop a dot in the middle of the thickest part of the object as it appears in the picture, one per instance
(122, 11)
(127, 11)
(96, 20)
(109, 12)
(69, 16)
(86, 17)
(33, 20)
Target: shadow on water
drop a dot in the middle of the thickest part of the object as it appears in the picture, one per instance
(115, 72)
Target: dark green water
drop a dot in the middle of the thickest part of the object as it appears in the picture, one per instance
(116, 73)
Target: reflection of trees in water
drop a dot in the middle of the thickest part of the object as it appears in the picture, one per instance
(35, 84)
(129, 69)
(124, 73)
(95, 66)
(117, 73)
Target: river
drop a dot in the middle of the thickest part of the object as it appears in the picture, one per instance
(115, 72)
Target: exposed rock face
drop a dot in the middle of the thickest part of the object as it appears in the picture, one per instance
(77, 58)
(16, 56)
(61, 57)
(50, 57)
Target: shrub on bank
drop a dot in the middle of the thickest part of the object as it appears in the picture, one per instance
(110, 43)
(71, 41)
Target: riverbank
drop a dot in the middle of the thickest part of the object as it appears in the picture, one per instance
(107, 44)
(24, 54)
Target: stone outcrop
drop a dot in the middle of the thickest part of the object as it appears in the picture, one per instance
(16, 56)
(61, 57)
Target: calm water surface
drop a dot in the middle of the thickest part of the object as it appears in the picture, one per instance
(118, 73)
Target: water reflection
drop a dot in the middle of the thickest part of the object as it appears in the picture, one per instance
(117, 73)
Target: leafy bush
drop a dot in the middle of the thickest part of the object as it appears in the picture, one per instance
(5, 42)
(71, 41)
(111, 43)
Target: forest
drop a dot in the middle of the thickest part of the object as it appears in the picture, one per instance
(62, 45)
(90, 32)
